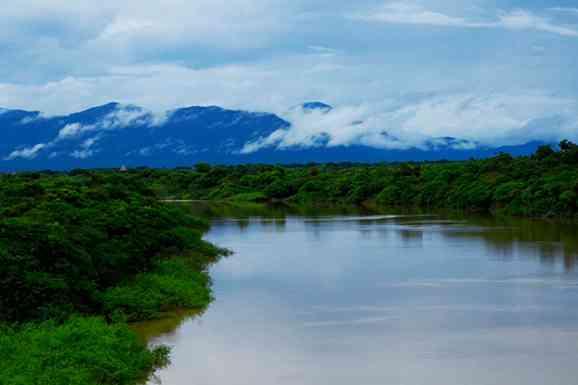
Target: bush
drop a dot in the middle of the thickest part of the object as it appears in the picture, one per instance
(82, 351)
(93, 243)
(172, 285)
(57, 255)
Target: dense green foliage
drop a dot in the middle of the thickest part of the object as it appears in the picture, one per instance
(66, 239)
(91, 244)
(544, 184)
(80, 351)
(173, 284)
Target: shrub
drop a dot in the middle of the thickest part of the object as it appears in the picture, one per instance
(82, 351)
(173, 284)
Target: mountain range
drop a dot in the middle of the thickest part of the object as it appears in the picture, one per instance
(116, 134)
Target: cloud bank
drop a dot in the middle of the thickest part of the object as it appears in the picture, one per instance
(122, 117)
(489, 120)
(369, 58)
(458, 120)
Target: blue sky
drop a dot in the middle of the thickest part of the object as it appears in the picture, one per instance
(494, 71)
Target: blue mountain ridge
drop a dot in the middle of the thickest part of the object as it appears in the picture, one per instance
(113, 134)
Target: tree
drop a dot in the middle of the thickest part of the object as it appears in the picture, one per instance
(543, 152)
(203, 167)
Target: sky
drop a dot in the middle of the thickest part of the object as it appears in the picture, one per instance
(492, 71)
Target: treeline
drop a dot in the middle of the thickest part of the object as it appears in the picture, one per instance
(544, 184)
(80, 255)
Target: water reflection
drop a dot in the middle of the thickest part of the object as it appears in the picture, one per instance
(411, 238)
(166, 326)
(382, 299)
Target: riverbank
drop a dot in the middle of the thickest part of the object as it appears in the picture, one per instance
(544, 185)
(81, 256)
(104, 350)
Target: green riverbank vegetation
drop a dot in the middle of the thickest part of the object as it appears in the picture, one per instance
(80, 255)
(544, 184)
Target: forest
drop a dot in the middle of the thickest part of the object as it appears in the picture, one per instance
(544, 184)
(84, 253)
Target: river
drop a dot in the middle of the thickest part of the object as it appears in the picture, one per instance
(368, 299)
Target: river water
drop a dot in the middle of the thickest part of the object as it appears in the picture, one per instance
(382, 300)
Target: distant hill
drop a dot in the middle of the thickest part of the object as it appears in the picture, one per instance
(113, 135)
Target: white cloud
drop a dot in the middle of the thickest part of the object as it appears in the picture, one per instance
(50, 40)
(124, 116)
(524, 20)
(493, 119)
(413, 13)
(176, 146)
(82, 154)
(71, 131)
(126, 27)
(235, 24)
(163, 87)
(486, 118)
(30, 119)
(341, 126)
(88, 143)
(408, 13)
(26, 153)
(86, 149)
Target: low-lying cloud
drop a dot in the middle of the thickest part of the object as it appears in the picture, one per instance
(123, 116)
(411, 121)
(27, 153)
(489, 120)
